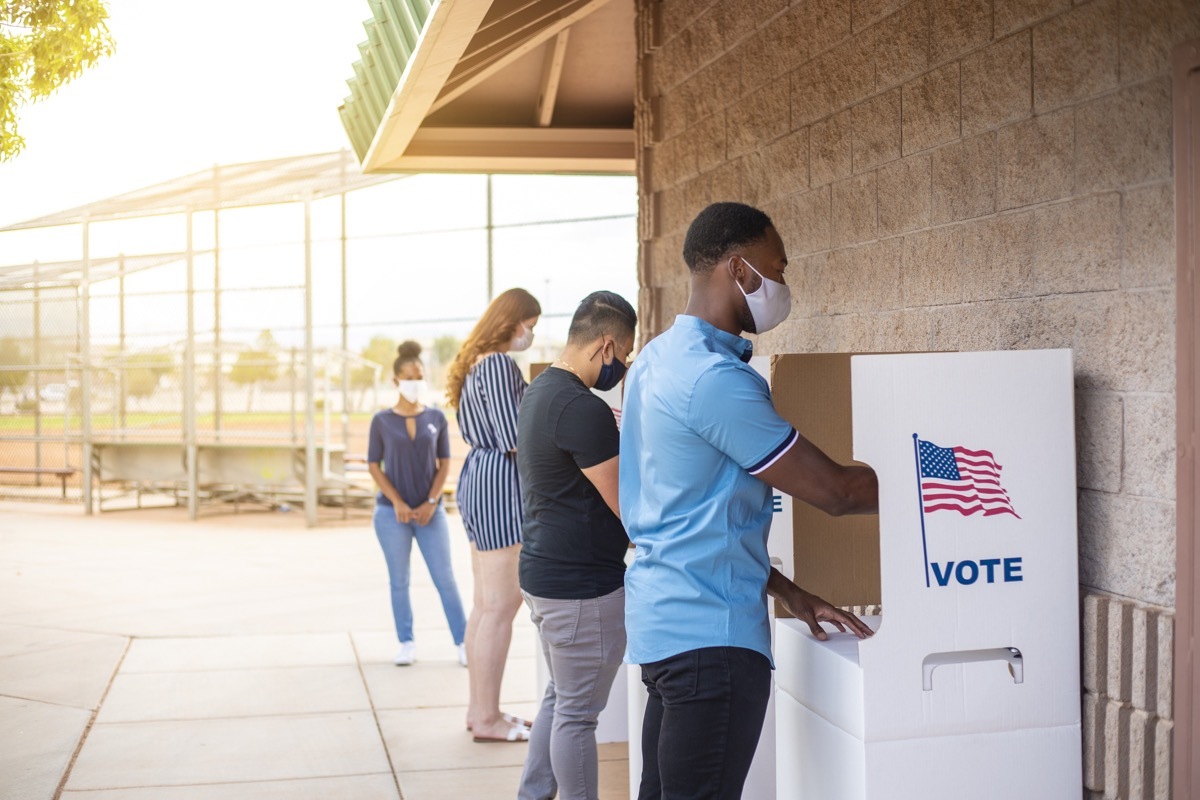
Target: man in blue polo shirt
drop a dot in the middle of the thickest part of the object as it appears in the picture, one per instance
(701, 446)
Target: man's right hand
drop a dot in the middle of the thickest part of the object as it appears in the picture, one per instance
(404, 514)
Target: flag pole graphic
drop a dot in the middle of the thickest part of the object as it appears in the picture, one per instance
(921, 505)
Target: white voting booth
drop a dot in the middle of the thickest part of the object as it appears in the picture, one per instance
(970, 688)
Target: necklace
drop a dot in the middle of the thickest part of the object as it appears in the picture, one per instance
(568, 366)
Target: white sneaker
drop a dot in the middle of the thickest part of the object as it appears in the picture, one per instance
(407, 654)
(461, 649)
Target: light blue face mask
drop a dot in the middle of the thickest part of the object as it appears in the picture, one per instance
(769, 304)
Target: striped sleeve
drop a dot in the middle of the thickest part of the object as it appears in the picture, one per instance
(775, 454)
(504, 387)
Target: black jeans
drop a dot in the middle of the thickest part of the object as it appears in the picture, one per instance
(702, 724)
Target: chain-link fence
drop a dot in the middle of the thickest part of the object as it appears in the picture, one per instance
(202, 352)
(40, 394)
(248, 408)
(243, 392)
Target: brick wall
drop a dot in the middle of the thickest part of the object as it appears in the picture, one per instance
(960, 175)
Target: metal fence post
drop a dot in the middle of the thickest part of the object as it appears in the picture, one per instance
(218, 355)
(189, 380)
(310, 387)
(85, 376)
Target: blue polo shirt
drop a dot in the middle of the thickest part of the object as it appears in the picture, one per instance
(697, 425)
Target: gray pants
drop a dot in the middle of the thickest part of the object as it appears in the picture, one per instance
(584, 642)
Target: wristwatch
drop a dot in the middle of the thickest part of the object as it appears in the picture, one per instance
(433, 501)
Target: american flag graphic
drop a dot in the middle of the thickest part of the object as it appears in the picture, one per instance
(962, 480)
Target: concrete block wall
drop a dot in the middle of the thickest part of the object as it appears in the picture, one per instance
(1128, 699)
(960, 175)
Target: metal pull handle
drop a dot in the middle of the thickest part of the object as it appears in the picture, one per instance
(1011, 655)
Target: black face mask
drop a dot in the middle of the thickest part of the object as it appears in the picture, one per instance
(610, 373)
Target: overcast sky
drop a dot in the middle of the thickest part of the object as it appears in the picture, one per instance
(190, 85)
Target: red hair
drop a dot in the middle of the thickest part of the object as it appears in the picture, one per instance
(495, 329)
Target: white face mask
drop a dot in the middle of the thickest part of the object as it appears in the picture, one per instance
(522, 339)
(412, 391)
(769, 304)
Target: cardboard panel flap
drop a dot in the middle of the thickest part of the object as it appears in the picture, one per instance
(836, 558)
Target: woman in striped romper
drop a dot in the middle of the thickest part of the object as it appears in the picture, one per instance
(485, 385)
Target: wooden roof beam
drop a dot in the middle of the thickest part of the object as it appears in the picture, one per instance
(552, 69)
(462, 82)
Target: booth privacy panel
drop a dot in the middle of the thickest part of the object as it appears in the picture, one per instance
(975, 454)
(836, 558)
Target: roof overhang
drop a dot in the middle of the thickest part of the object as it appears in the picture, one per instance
(256, 183)
(495, 86)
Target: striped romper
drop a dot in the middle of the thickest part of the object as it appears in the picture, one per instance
(489, 490)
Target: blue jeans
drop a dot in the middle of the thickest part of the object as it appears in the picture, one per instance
(434, 540)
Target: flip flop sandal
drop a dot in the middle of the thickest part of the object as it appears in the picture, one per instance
(517, 733)
(511, 720)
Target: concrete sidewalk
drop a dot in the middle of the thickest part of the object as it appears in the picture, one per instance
(241, 656)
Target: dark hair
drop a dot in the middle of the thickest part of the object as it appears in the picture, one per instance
(600, 313)
(408, 351)
(720, 228)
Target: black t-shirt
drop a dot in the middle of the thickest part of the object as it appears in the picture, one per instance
(573, 544)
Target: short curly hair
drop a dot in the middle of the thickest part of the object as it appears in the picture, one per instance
(720, 228)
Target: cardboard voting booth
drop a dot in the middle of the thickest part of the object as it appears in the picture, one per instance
(970, 687)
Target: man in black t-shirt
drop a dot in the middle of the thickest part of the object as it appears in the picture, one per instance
(572, 563)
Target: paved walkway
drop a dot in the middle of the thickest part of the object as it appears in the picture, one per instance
(242, 656)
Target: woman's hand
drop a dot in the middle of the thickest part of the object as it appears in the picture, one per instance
(423, 513)
(404, 514)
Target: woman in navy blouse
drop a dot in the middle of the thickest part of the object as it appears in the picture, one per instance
(485, 384)
(408, 455)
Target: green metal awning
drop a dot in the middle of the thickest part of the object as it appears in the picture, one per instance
(494, 86)
(392, 36)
